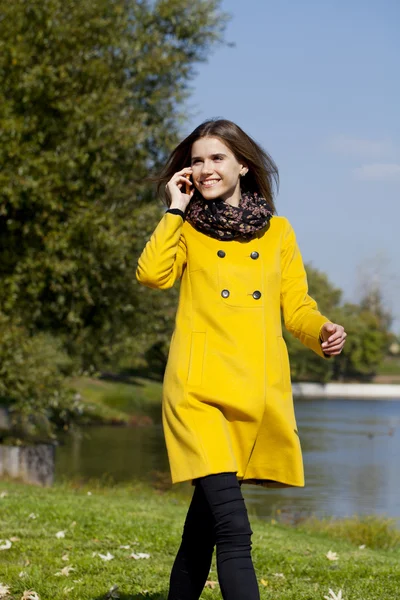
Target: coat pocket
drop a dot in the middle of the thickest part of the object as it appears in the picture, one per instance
(196, 360)
(285, 366)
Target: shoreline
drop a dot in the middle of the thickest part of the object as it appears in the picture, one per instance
(353, 391)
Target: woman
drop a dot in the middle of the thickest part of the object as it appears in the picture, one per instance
(228, 412)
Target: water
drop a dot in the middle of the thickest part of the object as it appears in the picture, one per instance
(350, 452)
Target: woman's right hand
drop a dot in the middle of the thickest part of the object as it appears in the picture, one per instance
(174, 189)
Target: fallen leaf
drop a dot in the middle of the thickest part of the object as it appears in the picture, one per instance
(139, 555)
(3, 494)
(14, 539)
(22, 574)
(32, 516)
(264, 582)
(334, 596)
(332, 555)
(362, 547)
(279, 575)
(5, 546)
(30, 595)
(210, 584)
(4, 590)
(107, 556)
(60, 534)
(65, 557)
(89, 493)
(65, 571)
(112, 592)
(125, 547)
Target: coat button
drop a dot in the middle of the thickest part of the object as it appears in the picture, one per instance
(225, 293)
(254, 255)
(256, 295)
(221, 253)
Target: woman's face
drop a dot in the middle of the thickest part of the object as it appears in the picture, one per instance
(216, 171)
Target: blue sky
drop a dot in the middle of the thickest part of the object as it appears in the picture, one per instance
(317, 84)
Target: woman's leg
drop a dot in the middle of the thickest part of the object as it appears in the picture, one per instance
(233, 536)
(193, 561)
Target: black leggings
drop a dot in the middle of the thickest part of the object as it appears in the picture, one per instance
(217, 515)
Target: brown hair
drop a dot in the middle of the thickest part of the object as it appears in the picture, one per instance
(262, 176)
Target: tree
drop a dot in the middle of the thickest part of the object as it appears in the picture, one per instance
(365, 346)
(305, 365)
(91, 95)
(372, 302)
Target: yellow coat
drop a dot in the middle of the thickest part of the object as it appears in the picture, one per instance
(227, 401)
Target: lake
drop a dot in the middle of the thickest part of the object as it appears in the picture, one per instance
(350, 452)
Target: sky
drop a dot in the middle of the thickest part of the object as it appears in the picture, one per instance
(317, 84)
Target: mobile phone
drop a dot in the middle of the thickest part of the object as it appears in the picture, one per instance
(187, 186)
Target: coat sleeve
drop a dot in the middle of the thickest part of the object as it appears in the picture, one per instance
(300, 312)
(164, 257)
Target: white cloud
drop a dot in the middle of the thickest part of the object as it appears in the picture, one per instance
(360, 148)
(378, 172)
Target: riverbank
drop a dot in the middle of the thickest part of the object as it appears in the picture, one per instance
(79, 541)
(361, 391)
(134, 401)
(137, 401)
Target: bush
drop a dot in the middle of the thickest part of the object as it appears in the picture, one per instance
(32, 384)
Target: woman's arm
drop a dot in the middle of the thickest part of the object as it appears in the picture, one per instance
(300, 311)
(164, 257)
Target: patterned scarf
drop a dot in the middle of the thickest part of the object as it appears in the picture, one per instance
(222, 221)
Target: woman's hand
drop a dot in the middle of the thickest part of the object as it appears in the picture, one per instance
(333, 338)
(174, 189)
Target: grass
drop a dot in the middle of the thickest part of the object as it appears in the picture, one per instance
(390, 366)
(119, 402)
(291, 562)
(138, 400)
(378, 533)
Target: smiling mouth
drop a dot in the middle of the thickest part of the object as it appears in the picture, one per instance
(210, 183)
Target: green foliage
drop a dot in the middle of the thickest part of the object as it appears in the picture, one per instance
(306, 365)
(365, 347)
(372, 302)
(32, 372)
(328, 296)
(90, 101)
(91, 96)
(367, 340)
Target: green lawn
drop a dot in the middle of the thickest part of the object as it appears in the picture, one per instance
(390, 366)
(291, 562)
(139, 399)
(114, 401)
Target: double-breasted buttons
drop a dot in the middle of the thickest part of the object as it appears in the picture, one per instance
(254, 255)
(225, 293)
(221, 253)
(256, 295)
